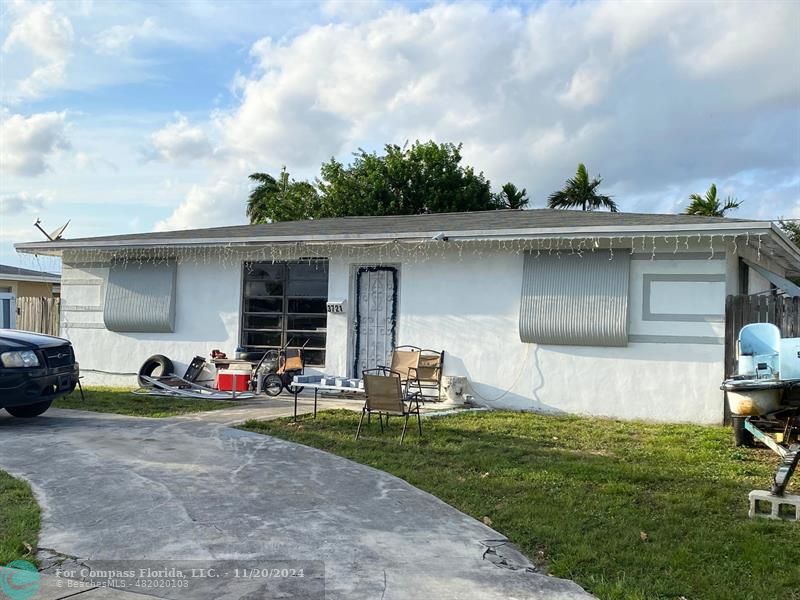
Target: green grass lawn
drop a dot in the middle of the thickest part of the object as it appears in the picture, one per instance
(628, 510)
(19, 520)
(114, 400)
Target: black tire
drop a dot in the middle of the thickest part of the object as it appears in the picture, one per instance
(295, 389)
(741, 437)
(157, 361)
(29, 411)
(273, 385)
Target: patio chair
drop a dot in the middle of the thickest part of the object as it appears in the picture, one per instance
(427, 375)
(385, 396)
(405, 360)
(292, 361)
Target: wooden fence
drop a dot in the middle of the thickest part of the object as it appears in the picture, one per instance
(41, 315)
(782, 312)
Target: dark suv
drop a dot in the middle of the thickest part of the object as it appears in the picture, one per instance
(35, 369)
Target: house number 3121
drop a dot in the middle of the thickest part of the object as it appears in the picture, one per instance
(335, 307)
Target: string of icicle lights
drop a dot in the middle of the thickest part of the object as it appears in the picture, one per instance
(232, 254)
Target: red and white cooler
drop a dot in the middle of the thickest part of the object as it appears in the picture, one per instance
(230, 380)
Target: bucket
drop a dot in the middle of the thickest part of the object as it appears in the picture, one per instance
(747, 365)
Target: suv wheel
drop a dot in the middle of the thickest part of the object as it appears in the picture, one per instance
(29, 410)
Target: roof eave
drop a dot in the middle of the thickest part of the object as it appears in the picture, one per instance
(32, 278)
(727, 228)
(788, 246)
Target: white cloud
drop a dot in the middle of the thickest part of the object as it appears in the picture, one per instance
(46, 35)
(42, 31)
(656, 97)
(22, 203)
(351, 10)
(209, 205)
(89, 161)
(26, 143)
(179, 142)
(15, 234)
(586, 87)
(119, 39)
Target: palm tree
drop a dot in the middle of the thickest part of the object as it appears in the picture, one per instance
(709, 205)
(580, 191)
(282, 199)
(259, 198)
(512, 197)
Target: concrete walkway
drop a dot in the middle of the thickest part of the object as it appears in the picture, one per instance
(121, 492)
(265, 408)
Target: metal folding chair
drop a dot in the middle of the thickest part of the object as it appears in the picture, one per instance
(427, 375)
(385, 396)
(405, 360)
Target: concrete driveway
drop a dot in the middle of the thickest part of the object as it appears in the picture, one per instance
(123, 489)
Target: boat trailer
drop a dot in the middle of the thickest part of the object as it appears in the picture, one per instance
(780, 432)
(764, 400)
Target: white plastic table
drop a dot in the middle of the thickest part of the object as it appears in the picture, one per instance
(319, 387)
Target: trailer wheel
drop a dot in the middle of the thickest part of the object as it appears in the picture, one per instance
(741, 436)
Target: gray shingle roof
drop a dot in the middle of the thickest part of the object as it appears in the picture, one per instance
(7, 271)
(451, 223)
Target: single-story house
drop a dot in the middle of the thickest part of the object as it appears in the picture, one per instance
(28, 283)
(596, 313)
(16, 282)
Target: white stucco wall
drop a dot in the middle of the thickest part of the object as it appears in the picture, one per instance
(468, 306)
(206, 317)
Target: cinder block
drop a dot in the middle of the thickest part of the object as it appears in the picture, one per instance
(765, 505)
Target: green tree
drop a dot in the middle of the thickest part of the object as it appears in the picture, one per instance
(512, 197)
(710, 205)
(424, 178)
(580, 191)
(283, 199)
(791, 227)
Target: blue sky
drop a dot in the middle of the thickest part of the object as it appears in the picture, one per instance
(126, 116)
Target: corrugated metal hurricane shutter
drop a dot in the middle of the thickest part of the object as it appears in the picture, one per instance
(573, 300)
(141, 298)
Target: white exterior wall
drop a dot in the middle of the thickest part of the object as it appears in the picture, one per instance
(470, 308)
(208, 299)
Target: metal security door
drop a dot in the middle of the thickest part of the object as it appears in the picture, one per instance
(376, 314)
(8, 311)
